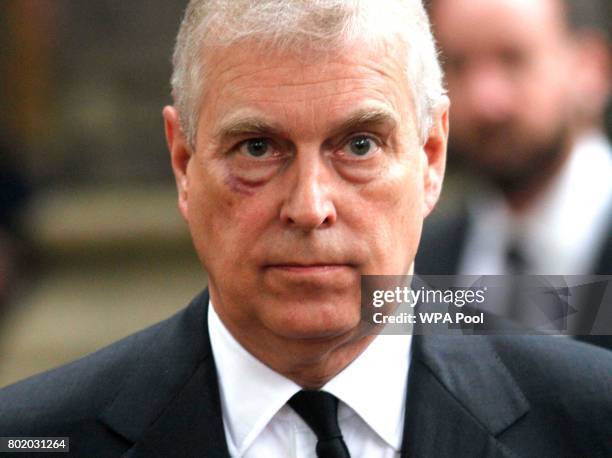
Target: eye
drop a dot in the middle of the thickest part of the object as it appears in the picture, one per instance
(361, 145)
(256, 147)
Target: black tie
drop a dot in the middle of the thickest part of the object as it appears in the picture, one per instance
(516, 261)
(320, 411)
(517, 266)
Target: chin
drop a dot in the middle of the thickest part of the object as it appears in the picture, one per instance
(315, 321)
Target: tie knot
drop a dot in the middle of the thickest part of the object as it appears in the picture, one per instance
(516, 260)
(320, 412)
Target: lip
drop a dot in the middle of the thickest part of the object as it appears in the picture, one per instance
(307, 266)
(308, 269)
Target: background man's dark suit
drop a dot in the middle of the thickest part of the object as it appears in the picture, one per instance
(443, 243)
(444, 237)
(155, 394)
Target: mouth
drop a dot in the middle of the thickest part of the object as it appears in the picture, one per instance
(309, 268)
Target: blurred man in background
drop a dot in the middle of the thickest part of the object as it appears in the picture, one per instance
(528, 82)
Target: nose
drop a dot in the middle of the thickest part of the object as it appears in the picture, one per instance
(308, 204)
(489, 93)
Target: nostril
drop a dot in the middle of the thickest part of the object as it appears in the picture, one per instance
(308, 219)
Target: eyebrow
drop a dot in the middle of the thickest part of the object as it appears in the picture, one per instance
(247, 125)
(253, 125)
(366, 117)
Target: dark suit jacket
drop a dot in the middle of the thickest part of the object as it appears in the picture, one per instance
(155, 394)
(443, 243)
(444, 238)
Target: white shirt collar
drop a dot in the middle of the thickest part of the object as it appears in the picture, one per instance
(381, 371)
(251, 392)
(374, 386)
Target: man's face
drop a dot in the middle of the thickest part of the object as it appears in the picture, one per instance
(509, 75)
(307, 173)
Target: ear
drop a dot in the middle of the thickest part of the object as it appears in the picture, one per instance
(180, 154)
(435, 152)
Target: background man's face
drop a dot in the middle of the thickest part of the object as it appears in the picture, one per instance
(508, 70)
(308, 172)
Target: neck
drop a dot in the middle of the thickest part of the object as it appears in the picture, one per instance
(313, 369)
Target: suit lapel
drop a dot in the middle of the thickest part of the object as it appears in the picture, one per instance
(191, 425)
(172, 412)
(460, 397)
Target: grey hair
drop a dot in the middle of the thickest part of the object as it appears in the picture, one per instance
(290, 24)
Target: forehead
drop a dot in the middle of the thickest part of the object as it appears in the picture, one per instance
(307, 87)
(479, 24)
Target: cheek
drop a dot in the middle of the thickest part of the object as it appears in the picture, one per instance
(545, 92)
(394, 219)
(399, 191)
(225, 216)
